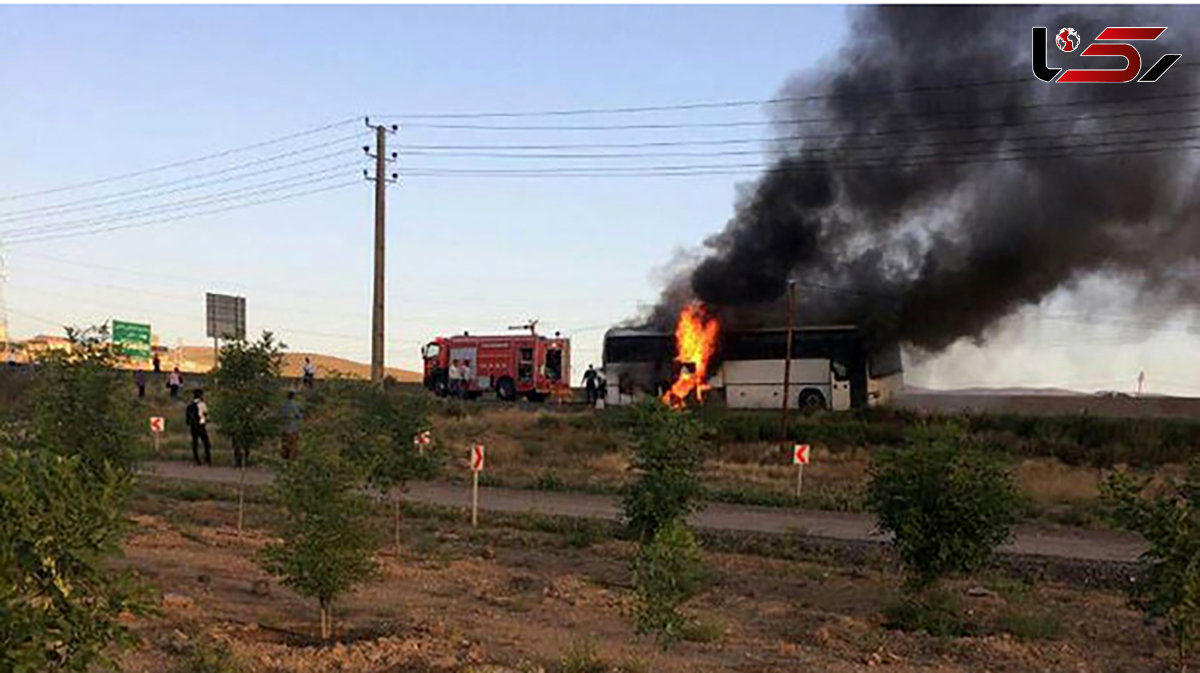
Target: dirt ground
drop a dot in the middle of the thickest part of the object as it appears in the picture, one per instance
(499, 599)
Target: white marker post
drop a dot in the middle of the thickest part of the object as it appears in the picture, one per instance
(157, 425)
(800, 457)
(477, 452)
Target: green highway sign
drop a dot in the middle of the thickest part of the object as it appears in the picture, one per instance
(131, 338)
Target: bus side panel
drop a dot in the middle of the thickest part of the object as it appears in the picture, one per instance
(757, 384)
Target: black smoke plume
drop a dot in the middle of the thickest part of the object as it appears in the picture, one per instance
(928, 212)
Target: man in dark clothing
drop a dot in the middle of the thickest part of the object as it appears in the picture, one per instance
(157, 364)
(291, 426)
(589, 383)
(139, 379)
(196, 418)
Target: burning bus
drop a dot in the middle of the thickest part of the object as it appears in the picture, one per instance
(833, 367)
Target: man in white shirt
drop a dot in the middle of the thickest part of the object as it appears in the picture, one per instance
(455, 377)
(196, 417)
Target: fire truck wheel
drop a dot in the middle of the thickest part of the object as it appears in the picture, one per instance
(811, 400)
(506, 390)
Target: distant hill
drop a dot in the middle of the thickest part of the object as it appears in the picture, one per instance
(200, 359)
(917, 390)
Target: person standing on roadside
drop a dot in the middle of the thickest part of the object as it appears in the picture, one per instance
(157, 364)
(175, 382)
(310, 373)
(292, 415)
(455, 376)
(139, 379)
(589, 384)
(196, 417)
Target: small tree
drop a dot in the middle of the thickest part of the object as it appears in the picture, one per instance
(947, 506)
(669, 448)
(377, 430)
(60, 520)
(327, 543)
(1169, 520)
(667, 572)
(78, 408)
(246, 393)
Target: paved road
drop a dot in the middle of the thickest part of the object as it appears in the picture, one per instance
(1059, 542)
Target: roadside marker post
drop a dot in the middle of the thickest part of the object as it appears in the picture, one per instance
(421, 440)
(477, 454)
(157, 425)
(800, 458)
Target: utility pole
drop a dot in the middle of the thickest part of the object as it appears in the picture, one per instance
(3, 306)
(787, 364)
(381, 182)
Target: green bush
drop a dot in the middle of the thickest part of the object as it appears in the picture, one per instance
(327, 544)
(376, 430)
(60, 521)
(946, 506)
(206, 655)
(78, 406)
(703, 630)
(936, 612)
(667, 572)
(1169, 520)
(1030, 624)
(581, 657)
(669, 449)
(246, 402)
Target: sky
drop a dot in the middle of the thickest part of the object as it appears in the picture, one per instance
(97, 92)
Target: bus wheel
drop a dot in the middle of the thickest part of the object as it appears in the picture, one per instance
(439, 388)
(506, 390)
(811, 400)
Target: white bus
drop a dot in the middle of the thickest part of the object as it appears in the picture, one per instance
(831, 367)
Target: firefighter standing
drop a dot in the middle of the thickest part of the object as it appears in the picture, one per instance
(589, 384)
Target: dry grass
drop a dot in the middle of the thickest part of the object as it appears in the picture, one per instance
(528, 448)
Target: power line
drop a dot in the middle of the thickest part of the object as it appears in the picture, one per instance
(409, 151)
(107, 199)
(89, 232)
(805, 136)
(184, 162)
(686, 170)
(218, 197)
(1025, 80)
(769, 122)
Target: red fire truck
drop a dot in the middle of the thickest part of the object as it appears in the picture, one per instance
(526, 365)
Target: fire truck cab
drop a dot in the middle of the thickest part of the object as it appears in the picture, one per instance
(528, 365)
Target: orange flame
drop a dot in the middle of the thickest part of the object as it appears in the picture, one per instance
(695, 342)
